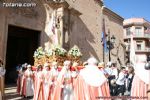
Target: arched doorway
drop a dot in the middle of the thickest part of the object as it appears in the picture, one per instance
(21, 44)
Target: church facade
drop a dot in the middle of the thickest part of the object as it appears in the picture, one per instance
(60, 22)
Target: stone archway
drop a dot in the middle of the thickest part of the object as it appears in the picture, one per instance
(25, 21)
(21, 44)
(32, 19)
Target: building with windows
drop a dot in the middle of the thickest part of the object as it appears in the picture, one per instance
(140, 28)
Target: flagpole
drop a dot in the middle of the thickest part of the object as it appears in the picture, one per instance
(109, 45)
(103, 41)
(103, 34)
(103, 54)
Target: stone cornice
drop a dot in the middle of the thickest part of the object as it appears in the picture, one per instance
(112, 14)
(100, 2)
(135, 22)
(54, 4)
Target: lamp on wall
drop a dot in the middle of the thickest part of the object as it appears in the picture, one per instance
(113, 39)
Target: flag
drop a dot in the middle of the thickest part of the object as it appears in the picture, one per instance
(104, 42)
(132, 51)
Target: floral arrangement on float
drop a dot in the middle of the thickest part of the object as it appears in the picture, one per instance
(39, 53)
(58, 54)
(74, 54)
(39, 56)
(55, 54)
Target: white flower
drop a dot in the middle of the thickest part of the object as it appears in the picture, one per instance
(39, 53)
(75, 52)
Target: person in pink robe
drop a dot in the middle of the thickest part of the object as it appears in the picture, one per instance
(64, 86)
(38, 84)
(22, 79)
(91, 84)
(54, 72)
(46, 81)
(140, 80)
(148, 92)
(28, 82)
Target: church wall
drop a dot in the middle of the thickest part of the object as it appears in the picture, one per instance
(2, 34)
(85, 29)
(114, 24)
(29, 18)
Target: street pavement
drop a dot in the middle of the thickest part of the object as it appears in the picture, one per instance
(11, 94)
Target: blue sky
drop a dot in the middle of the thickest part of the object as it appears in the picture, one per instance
(130, 8)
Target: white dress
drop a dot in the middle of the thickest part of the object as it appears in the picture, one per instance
(29, 83)
(67, 88)
(67, 83)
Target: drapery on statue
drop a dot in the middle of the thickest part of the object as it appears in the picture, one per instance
(53, 27)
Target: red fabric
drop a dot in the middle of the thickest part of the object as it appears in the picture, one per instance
(60, 67)
(80, 67)
(34, 68)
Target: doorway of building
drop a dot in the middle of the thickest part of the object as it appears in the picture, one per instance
(21, 44)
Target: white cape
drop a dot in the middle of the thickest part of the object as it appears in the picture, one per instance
(93, 76)
(143, 74)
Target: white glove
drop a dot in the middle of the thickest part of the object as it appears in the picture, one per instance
(51, 83)
(62, 86)
(55, 83)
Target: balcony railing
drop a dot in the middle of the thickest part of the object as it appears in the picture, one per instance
(139, 50)
(145, 35)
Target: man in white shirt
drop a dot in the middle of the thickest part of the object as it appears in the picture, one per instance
(112, 72)
(120, 83)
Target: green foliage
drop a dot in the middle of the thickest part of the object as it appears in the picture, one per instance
(39, 53)
(49, 53)
(58, 51)
(75, 52)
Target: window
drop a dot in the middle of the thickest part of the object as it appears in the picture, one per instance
(139, 41)
(138, 46)
(128, 31)
(138, 31)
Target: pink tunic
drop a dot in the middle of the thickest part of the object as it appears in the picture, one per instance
(63, 84)
(46, 84)
(38, 83)
(53, 78)
(139, 89)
